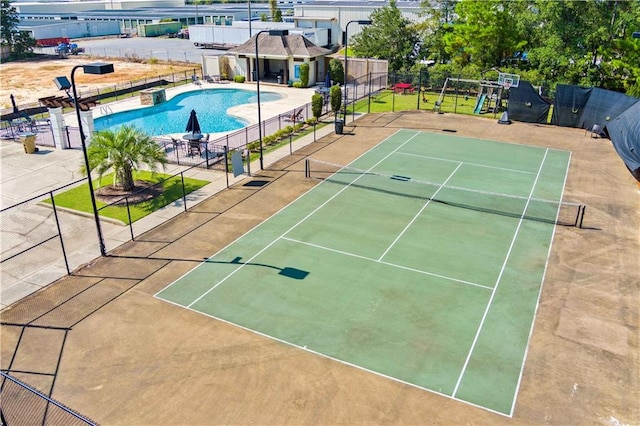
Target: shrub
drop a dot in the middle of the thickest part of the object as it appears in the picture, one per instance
(238, 78)
(335, 93)
(304, 74)
(268, 140)
(297, 84)
(317, 100)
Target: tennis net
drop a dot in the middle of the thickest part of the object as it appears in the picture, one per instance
(549, 211)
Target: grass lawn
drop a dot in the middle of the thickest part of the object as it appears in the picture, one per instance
(78, 198)
(387, 101)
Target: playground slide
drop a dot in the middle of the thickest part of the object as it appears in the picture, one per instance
(479, 103)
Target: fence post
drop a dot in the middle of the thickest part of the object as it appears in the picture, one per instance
(226, 164)
(126, 200)
(393, 99)
(55, 213)
(455, 106)
(369, 103)
(184, 195)
(353, 101)
(419, 88)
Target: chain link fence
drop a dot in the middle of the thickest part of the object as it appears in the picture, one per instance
(20, 404)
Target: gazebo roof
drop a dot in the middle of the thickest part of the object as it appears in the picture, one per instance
(285, 46)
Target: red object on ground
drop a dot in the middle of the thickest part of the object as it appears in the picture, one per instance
(51, 42)
(403, 87)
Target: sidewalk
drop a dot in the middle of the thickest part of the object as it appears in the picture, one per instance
(24, 176)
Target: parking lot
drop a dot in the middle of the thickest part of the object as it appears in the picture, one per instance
(161, 48)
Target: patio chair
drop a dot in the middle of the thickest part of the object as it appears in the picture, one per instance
(296, 116)
(176, 144)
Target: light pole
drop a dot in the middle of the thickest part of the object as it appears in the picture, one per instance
(346, 68)
(249, 5)
(257, 70)
(63, 83)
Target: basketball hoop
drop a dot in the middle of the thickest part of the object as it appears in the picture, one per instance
(508, 80)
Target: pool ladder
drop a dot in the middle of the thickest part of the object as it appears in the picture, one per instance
(105, 110)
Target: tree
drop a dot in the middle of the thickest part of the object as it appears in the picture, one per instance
(587, 42)
(20, 42)
(122, 152)
(390, 36)
(23, 45)
(439, 18)
(484, 33)
(277, 17)
(276, 14)
(336, 70)
(9, 20)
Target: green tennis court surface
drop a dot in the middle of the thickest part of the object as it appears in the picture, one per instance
(383, 268)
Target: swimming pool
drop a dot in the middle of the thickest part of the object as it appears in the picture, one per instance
(171, 117)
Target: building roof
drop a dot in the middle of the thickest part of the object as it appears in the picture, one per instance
(280, 47)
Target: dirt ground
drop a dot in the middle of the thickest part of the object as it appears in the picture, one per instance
(30, 80)
(128, 358)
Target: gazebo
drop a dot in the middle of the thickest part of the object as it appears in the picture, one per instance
(280, 58)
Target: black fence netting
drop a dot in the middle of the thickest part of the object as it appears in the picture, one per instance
(20, 404)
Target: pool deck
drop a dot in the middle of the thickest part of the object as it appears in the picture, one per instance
(292, 98)
(24, 176)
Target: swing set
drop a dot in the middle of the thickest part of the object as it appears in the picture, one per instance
(490, 95)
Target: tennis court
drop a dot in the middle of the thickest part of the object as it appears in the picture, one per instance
(421, 261)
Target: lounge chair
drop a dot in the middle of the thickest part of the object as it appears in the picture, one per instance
(296, 116)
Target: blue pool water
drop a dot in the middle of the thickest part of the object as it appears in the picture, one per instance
(171, 117)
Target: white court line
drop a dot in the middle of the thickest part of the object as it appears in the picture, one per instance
(340, 361)
(466, 163)
(419, 212)
(204, 264)
(294, 226)
(535, 313)
(495, 288)
(393, 265)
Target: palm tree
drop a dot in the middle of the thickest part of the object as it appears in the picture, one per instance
(122, 152)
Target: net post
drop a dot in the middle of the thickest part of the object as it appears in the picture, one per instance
(307, 169)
